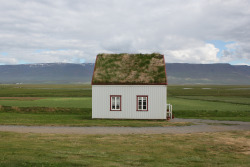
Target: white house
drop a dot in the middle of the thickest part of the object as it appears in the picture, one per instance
(129, 86)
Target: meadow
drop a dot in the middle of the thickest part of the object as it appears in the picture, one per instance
(226, 149)
(70, 105)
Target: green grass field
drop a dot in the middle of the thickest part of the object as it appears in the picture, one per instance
(219, 102)
(77, 120)
(64, 102)
(225, 149)
(37, 90)
(70, 105)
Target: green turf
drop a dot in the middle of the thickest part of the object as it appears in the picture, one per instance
(67, 102)
(189, 101)
(209, 90)
(126, 68)
(74, 119)
(180, 104)
(219, 102)
(226, 99)
(227, 149)
(37, 90)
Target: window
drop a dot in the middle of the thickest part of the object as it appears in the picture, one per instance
(142, 103)
(115, 102)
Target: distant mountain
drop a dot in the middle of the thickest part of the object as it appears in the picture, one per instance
(178, 73)
(181, 73)
(49, 73)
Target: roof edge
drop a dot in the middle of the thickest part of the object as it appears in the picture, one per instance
(94, 70)
(129, 83)
(165, 70)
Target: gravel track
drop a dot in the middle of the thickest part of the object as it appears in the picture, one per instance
(200, 126)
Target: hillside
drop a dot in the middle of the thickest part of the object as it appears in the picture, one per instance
(181, 73)
(178, 73)
(49, 73)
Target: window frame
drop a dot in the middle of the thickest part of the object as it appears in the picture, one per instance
(137, 103)
(115, 104)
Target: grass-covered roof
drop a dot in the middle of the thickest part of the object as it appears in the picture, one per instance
(129, 69)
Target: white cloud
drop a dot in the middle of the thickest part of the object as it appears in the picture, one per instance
(203, 54)
(7, 60)
(236, 52)
(86, 28)
(49, 56)
(242, 64)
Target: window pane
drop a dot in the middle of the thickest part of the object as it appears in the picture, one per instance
(117, 103)
(139, 103)
(113, 102)
(144, 107)
(113, 98)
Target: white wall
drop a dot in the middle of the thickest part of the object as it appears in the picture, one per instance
(156, 101)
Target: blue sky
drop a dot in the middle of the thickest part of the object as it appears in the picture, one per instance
(76, 31)
(221, 45)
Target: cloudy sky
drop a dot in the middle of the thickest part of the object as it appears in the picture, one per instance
(75, 31)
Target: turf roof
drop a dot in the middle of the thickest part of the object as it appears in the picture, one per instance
(129, 69)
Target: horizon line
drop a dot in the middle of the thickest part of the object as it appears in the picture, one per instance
(94, 63)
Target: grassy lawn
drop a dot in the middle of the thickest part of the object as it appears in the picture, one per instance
(36, 90)
(66, 102)
(227, 149)
(225, 99)
(207, 109)
(70, 105)
(70, 117)
(218, 102)
(181, 104)
(209, 90)
(62, 119)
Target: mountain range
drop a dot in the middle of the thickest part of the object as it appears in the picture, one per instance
(177, 73)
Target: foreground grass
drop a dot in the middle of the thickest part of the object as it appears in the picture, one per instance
(227, 149)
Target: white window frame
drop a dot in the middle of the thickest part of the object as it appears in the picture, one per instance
(118, 100)
(143, 98)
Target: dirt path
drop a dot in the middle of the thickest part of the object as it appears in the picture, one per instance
(200, 126)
